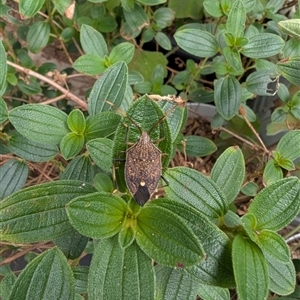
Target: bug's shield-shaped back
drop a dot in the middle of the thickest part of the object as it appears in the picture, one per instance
(143, 169)
(146, 114)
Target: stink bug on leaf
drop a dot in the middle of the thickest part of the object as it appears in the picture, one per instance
(147, 131)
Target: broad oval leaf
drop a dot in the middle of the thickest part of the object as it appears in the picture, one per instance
(111, 86)
(48, 276)
(3, 74)
(136, 19)
(40, 123)
(13, 175)
(90, 64)
(198, 146)
(274, 245)
(263, 45)
(122, 52)
(31, 150)
(206, 291)
(163, 40)
(227, 96)
(250, 269)
(29, 8)
(272, 172)
(81, 278)
(236, 19)
(175, 284)
(282, 276)
(288, 146)
(101, 125)
(166, 238)
(258, 82)
(291, 27)
(101, 152)
(79, 168)
(197, 42)
(76, 121)
(38, 36)
(277, 205)
(193, 188)
(229, 172)
(216, 268)
(117, 273)
(92, 41)
(71, 144)
(3, 107)
(38, 213)
(98, 215)
(289, 68)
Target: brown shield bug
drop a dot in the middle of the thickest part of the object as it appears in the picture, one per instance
(148, 133)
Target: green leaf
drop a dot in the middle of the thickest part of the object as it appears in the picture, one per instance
(13, 175)
(122, 52)
(110, 87)
(250, 269)
(236, 19)
(38, 213)
(3, 74)
(98, 215)
(30, 150)
(187, 9)
(90, 64)
(258, 81)
(38, 36)
(233, 58)
(145, 62)
(3, 108)
(79, 168)
(152, 2)
(40, 123)
(289, 68)
(273, 245)
(282, 276)
(76, 121)
(210, 292)
(166, 238)
(229, 172)
(136, 19)
(61, 5)
(174, 284)
(71, 144)
(213, 8)
(277, 205)
(6, 285)
(199, 146)
(250, 189)
(92, 41)
(67, 34)
(263, 45)
(56, 281)
(100, 125)
(103, 183)
(101, 152)
(134, 77)
(288, 146)
(272, 172)
(163, 17)
(81, 279)
(31, 87)
(291, 27)
(227, 96)
(72, 245)
(29, 8)
(216, 268)
(192, 187)
(197, 42)
(117, 273)
(163, 40)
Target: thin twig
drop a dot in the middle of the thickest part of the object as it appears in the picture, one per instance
(67, 93)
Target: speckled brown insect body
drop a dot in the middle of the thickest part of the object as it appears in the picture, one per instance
(143, 169)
